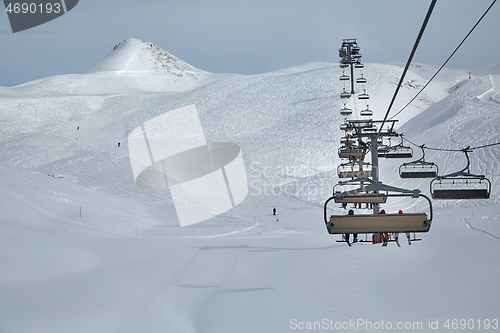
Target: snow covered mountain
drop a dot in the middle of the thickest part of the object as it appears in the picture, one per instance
(135, 55)
(83, 248)
(134, 66)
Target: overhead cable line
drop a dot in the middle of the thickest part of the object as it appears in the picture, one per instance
(422, 29)
(444, 64)
(452, 150)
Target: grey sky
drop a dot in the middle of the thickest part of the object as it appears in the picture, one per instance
(251, 36)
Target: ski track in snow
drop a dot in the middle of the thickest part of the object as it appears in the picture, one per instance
(469, 226)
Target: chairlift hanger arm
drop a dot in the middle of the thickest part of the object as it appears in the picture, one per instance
(464, 171)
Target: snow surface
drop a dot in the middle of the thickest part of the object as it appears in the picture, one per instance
(125, 264)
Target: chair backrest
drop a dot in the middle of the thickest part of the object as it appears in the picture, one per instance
(350, 224)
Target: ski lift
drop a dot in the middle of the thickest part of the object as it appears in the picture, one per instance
(344, 77)
(382, 150)
(398, 151)
(361, 79)
(364, 95)
(461, 184)
(342, 53)
(361, 198)
(345, 94)
(375, 223)
(347, 140)
(344, 127)
(419, 168)
(366, 112)
(354, 170)
(343, 65)
(351, 152)
(358, 65)
(345, 111)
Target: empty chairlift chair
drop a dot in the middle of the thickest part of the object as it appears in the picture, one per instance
(345, 94)
(366, 112)
(361, 79)
(461, 184)
(398, 151)
(419, 168)
(344, 77)
(363, 95)
(354, 170)
(345, 111)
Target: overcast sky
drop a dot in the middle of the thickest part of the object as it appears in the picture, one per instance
(251, 36)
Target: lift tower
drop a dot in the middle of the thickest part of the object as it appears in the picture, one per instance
(365, 135)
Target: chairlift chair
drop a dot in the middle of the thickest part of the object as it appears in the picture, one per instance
(360, 198)
(376, 223)
(357, 224)
(358, 65)
(461, 184)
(419, 168)
(350, 152)
(354, 170)
(361, 79)
(363, 95)
(344, 77)
(382, 150)
(345, 94)
(366, 112)
(347, 140)
(345, 111)
(398, 151)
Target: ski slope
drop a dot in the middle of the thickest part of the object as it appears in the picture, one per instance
(84, 249)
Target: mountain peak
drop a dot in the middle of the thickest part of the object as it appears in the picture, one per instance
(139, 55)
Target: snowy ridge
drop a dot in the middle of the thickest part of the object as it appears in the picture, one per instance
(136, 55)
(134, 66)
(123, 264)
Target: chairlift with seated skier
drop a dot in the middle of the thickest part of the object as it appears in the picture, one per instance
(377, 223)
